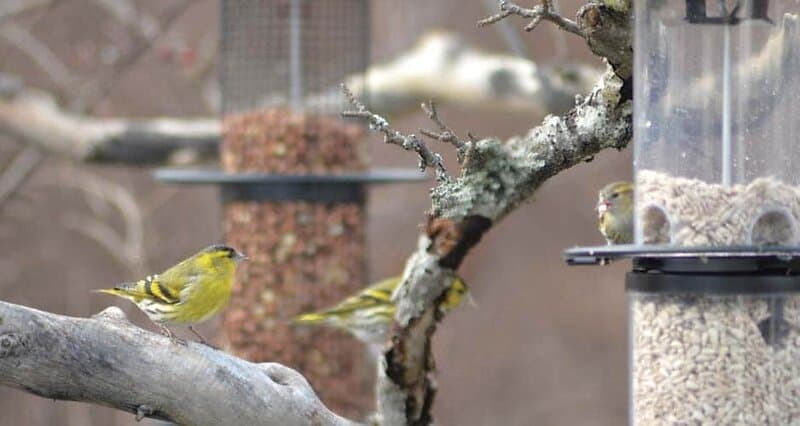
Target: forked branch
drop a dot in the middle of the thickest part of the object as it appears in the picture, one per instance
(538, 13)
(107, 360)
(410, 142)
(446, 134)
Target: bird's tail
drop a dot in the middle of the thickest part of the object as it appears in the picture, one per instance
(312, 318)
(124, 290)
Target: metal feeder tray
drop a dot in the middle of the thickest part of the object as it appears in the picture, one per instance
(718, 270)
(770, 272)
(323, 188)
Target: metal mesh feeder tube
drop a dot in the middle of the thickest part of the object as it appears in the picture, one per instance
(281, 62)
(293, 185)
(304, 235)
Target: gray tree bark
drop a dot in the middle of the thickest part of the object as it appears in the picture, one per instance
(107, 360)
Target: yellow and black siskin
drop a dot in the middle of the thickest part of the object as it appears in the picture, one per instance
(188, 293)
(369, 314)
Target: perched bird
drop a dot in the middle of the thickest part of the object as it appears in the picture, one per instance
(187, 293)
(615, 212)
(369, 314)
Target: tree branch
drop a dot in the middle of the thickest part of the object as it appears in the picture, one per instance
(40, 53)
(444, 68)
(496, 177)
(18, 171)
(453, 73)
(446, 135)
(108, 361)
(544, 11)
(606, 27)
(34, 117)
(410, 142)
(125, 246)
(12, 8)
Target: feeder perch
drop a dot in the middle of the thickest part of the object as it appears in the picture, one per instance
(293, 185)
(714, 290)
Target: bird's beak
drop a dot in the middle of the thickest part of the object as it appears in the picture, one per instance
(239, 256)
(471, 300)
(602, 207)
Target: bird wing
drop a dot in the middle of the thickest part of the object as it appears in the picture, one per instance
(154, 287)
(379, 294)
(177, 280)
(150, 288)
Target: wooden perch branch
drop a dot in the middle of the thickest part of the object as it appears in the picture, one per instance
(106, 360)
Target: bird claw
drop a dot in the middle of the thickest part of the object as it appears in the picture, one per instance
(209, 345)
(143, 411)
(202, 339)
(172, 336)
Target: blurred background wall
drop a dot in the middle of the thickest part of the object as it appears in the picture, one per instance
(546, 343)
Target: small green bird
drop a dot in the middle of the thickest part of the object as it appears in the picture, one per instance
(615, 212)
(188, 293)
(369, 314)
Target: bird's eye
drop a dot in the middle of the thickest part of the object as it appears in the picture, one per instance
(615, 195)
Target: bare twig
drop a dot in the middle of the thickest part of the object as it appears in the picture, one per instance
(33, 117)
(47, 61)
(125, 11)
(447, 135)
(410, 142)
(121, 66)
(127, 246)
(538, 13)
(159, 198)
(509, 34)
(11, 8)
(18, 171)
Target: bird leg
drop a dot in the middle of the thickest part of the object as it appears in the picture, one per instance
(143, 411)
(172, 336)
(202, 339)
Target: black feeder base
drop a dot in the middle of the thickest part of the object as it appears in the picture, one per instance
(771, 272)
(338, 188)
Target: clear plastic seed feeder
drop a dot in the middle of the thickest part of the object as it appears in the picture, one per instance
(714, 294)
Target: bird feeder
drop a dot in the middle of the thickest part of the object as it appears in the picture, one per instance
(714, 292)
(293, 185)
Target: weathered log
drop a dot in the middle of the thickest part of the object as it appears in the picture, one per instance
(107, 360)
